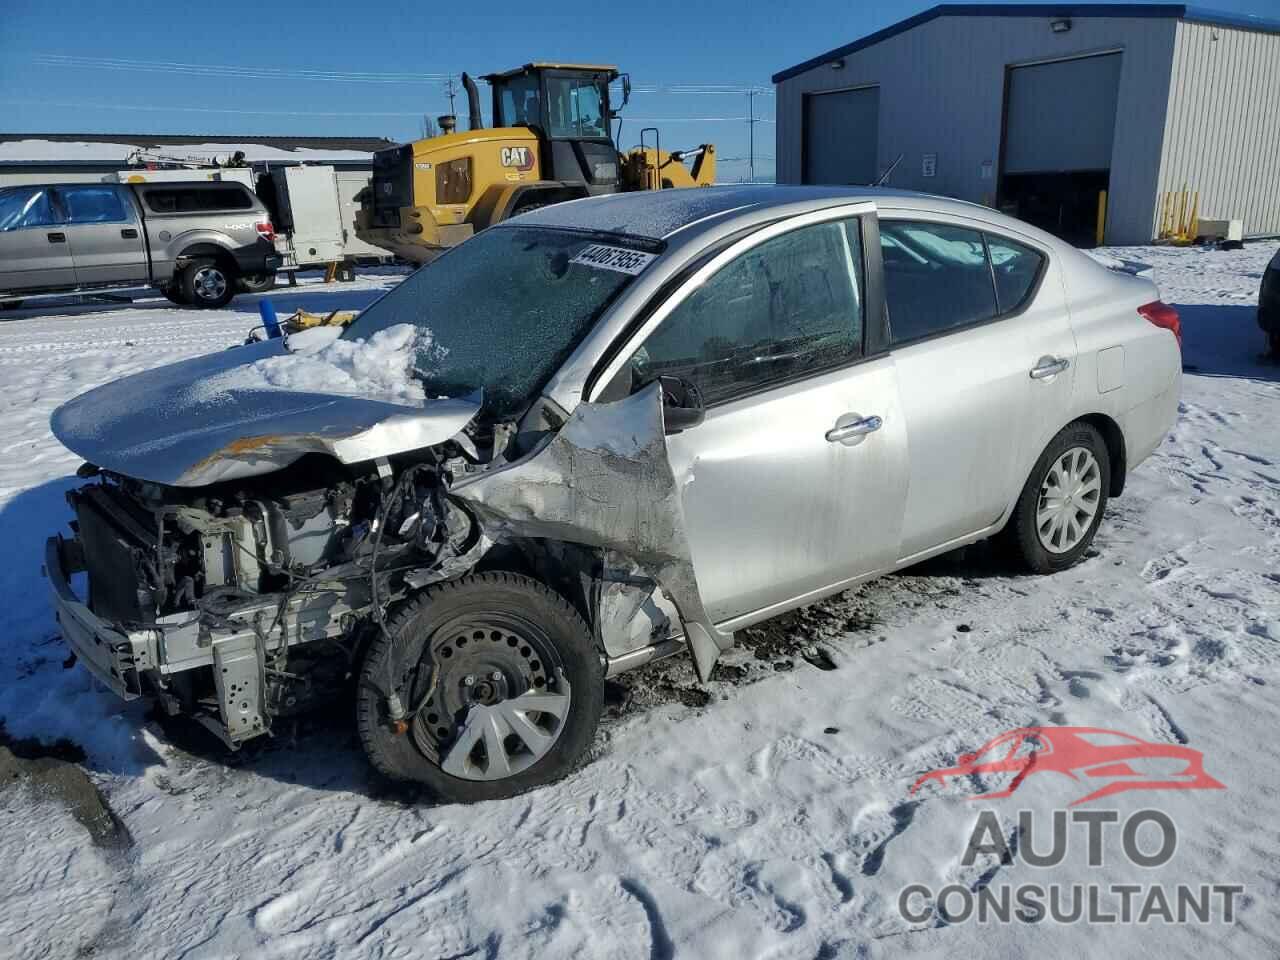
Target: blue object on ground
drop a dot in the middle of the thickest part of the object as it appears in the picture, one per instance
(269, 320)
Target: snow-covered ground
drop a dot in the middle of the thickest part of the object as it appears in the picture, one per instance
(765, 816)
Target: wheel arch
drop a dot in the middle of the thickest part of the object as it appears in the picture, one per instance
(1113, 437)
(220, 254)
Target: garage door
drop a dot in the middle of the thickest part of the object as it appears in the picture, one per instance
(841, 133)
(1062, 116)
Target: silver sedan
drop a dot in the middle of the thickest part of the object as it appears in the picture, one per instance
(617, 428)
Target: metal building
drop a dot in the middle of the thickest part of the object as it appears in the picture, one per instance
(1083, 119)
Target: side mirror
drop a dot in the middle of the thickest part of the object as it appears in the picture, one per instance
(682, 405)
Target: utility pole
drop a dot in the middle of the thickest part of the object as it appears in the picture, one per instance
(448, 86)
(751, 135)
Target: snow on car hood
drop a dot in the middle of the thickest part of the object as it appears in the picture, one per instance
(254, 409)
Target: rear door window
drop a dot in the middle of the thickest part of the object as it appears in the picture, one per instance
(93, 204)
(202, 200)
(936, 278)
(22, 207)
(789, 307)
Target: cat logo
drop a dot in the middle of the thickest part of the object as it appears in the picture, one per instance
(519, 157)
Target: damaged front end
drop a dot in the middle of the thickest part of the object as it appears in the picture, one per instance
(238, 579)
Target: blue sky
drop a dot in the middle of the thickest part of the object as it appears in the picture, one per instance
(287, 66)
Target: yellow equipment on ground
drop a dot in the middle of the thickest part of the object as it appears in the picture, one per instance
(551, 141)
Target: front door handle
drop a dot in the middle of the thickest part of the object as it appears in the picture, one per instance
(857, 428)
(129, 233)
(1049, 366)
(57, 238)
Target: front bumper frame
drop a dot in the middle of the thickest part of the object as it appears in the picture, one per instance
(115, 656)
(122, 657)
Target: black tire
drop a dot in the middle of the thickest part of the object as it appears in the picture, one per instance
(259, 283)
(173, 293)
(433, 617)
(207, 284)
(1021, 533)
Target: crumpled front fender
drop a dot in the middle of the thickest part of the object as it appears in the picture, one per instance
(604, 480)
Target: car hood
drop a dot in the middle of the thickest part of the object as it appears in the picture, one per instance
(201, 421)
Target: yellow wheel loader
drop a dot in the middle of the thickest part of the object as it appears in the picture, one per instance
(550, 141)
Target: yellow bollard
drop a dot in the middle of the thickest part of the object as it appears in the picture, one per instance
(1102, 217)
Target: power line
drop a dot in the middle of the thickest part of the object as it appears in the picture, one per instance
(241, 71)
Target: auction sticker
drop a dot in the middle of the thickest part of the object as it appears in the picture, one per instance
(614, 258)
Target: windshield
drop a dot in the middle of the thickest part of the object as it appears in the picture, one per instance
(502, 311)
(575, 108)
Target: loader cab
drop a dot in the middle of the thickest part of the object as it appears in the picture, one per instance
(567, 106)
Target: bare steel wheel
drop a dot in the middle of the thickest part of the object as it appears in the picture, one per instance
(483, 687)
(500, 700)
(1069, 500)
(1063, 500)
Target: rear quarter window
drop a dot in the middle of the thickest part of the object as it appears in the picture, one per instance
(202, 200)
(1016, 269)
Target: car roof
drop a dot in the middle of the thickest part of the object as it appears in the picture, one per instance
(660, 214)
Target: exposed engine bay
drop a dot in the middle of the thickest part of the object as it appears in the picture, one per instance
(244, 600)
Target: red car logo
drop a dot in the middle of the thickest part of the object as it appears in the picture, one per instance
(1115, 760)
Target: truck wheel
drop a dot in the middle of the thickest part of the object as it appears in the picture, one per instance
(207, 284)
(514, 701)
(260, 283)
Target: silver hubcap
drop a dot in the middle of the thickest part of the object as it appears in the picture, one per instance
(209, 283)
(500, 701)
(1069, 498)
(504, 738)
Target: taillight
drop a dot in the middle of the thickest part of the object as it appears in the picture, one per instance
(1163, 315)
(266, 230)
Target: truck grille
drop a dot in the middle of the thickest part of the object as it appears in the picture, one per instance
(392, 183)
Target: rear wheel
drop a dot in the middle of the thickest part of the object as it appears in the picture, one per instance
(1061, 505)
(500, 681)
(259, 283)
(207, 284)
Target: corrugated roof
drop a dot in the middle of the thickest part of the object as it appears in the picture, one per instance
(1177, 11)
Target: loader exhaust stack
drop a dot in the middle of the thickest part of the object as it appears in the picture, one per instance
(474, 121)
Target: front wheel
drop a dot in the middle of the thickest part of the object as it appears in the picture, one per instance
(500, 686)
(207, 284)
(1061, 506)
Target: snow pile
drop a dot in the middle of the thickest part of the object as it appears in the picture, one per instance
(379, 368)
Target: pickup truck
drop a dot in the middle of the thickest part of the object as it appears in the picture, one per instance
(193, 241)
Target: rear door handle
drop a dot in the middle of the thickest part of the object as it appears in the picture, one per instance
(1049, 366)
(129, 233)
(57, 238)
(850, 431)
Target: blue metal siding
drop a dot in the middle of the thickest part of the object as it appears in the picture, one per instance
(942, 87)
